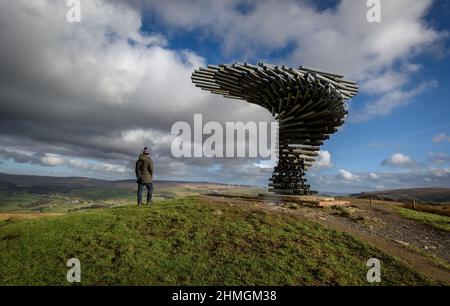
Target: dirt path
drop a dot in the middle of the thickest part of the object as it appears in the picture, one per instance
(420, 245)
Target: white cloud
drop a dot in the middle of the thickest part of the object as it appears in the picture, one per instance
(99, 96)
(441, 173)
(389, 101)
(358, 46)
(323, 160)
(265, 164)
(442, 137)
(102, 168)
(52, 160)
(398, 159)
(337, 39)
(374, 176)
(347, 176)
(382, 83)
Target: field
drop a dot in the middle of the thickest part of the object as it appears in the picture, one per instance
(211, 234)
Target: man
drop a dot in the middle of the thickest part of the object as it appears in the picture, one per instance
(144, 176)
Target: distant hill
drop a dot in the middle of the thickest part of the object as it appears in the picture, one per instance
(8, 186)
(333, 194)
(46, 184)
(52, 184)
(423, 195)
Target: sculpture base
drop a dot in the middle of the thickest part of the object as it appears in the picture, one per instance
(306, 200)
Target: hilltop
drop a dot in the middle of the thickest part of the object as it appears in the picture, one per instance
(190, 241)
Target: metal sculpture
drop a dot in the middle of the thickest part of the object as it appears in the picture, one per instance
(309, 105)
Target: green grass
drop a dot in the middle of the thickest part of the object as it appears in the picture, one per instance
(189, 242)
(436, 221)
(15, 201)
(103, 194)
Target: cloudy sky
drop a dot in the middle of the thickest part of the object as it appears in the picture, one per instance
(82, 99)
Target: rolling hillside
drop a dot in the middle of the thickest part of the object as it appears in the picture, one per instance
(28, 193)
(423, 195)
(47, 184)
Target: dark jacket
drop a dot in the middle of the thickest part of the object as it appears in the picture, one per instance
(144, 169)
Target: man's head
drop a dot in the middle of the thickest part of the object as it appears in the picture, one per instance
(146, 151)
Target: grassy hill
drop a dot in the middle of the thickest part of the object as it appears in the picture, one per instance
(422, 195)
(189, 241)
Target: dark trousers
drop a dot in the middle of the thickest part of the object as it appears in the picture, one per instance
(141, 190)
